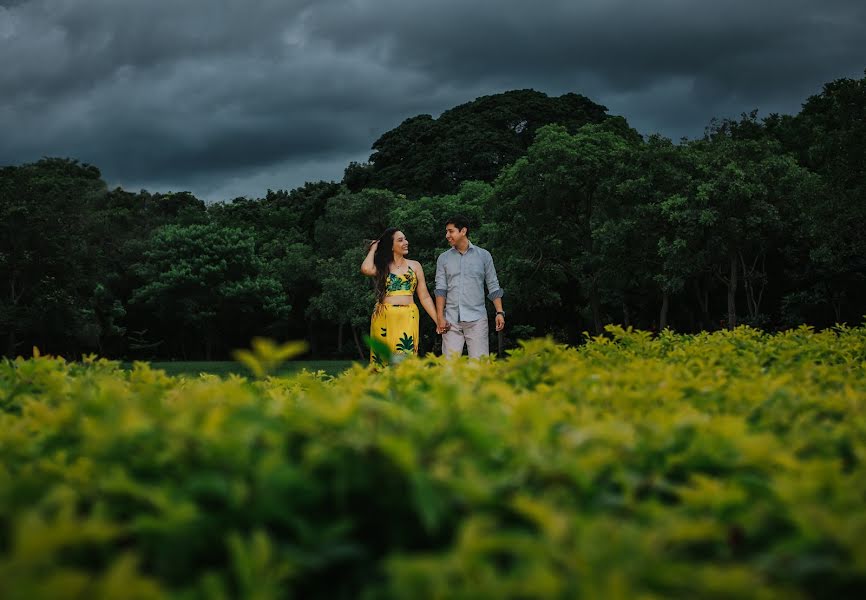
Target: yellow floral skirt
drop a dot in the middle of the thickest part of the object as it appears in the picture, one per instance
(397, 326)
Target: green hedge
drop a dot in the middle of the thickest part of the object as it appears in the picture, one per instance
(719, 465)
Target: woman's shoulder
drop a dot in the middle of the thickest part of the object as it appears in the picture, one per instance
(416, 266)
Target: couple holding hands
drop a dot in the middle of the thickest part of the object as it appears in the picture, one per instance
(459, 311)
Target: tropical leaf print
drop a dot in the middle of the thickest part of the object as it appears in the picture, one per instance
(406, 344)
(398, 283)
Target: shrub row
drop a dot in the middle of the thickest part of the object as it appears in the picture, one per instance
(721, 465)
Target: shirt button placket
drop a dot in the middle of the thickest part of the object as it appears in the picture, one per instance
(460, 291)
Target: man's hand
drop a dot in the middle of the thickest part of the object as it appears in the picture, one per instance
(442, 326)
(500, 322)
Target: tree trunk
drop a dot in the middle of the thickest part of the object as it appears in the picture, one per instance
(663, 313)
(747, 292)
(626, 315)
(751, 278)
(732, 294)
(357, 343)
(340, 338)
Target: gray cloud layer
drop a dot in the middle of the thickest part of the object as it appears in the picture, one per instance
(232, 97)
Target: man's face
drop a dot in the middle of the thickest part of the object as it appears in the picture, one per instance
(454, 235)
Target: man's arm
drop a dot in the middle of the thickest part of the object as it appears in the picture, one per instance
(500, 314)
(494, 292)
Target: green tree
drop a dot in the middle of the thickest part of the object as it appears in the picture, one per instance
(305, 204)
(547, 206)
(120, 225)
(345, 297)
(277, 226)
(47, 268)
(349, 218)
(206, 281)
(633, 238)
(732, 217)
(828, 137)
(473, 141)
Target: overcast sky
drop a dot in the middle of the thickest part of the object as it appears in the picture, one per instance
(232, 97)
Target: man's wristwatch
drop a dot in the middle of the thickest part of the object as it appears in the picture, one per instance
(500, 312)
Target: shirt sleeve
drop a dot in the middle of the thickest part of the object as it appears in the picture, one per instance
(441, 281)
(490, 278)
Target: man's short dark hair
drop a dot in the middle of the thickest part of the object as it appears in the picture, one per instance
(459, 221)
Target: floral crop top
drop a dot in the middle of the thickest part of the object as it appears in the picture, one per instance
(401, 285)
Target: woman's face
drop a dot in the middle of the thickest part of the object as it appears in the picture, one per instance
(401, 244)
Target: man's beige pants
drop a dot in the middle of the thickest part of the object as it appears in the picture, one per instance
(472, 333)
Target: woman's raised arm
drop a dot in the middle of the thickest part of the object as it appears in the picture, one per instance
(368, 268)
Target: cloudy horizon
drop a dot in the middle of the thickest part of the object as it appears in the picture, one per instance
(231, 98)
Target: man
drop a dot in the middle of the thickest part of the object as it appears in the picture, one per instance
(461, 274)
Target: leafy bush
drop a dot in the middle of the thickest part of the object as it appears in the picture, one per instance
(721, 465)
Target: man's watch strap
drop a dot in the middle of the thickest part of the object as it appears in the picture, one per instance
(500, 312)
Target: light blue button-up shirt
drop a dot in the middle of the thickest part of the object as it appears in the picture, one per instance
(461, 278)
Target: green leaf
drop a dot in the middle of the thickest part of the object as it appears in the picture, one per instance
(267, 356)
(380, 349)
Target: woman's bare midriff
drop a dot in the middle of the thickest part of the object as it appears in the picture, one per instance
(398, 300)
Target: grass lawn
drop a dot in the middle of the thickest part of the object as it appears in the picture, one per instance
(224, 368)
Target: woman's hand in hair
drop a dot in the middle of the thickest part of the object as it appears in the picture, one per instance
(368, 267)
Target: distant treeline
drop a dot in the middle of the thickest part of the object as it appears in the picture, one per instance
(760, 222)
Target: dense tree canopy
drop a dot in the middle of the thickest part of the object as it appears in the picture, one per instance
(589, 223)
(473, 141)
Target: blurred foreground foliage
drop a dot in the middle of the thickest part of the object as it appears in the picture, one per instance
(721, 465)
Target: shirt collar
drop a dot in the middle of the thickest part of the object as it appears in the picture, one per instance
(468, 248)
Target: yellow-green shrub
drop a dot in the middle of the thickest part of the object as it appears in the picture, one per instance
(730, 464)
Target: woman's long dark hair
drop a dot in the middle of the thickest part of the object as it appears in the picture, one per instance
(382, 259)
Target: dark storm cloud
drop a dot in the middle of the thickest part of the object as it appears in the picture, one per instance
(731, 55)
(627, 44)
(232, 97)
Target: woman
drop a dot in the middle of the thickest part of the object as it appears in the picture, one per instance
(395, 318)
